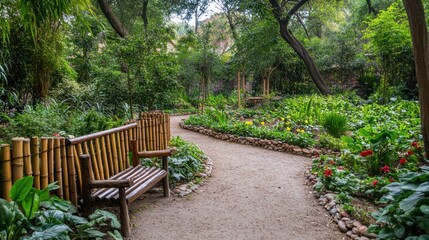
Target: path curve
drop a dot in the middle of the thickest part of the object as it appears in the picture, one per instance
(253, 193)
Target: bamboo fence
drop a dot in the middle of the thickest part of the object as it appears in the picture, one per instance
(49, 159)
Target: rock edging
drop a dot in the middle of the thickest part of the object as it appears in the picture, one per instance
(187, 188)
(258, 142)
(353, 229)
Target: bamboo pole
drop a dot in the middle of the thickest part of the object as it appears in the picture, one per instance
(126, 137)
(51, 160)
(35, 161)
(168, 130)
(94, 162)
(115, 159)
(79, 152)
(150, 125)
(57, 166)
(72, 174)
(17, 159)
(143, 135)
(44, 165)
(107, 163)
(119, 151)
(6, 166)
(65, 168)
(123, 150)
(139, 135)
(102, 168)
(109, 155)
(28, 169)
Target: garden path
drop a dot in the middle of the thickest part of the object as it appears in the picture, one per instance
(253, 193)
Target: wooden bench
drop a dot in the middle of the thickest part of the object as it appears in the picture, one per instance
(106, 176)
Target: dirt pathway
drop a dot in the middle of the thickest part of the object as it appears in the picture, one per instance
(253, 194)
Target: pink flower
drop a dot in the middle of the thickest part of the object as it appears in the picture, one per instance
(375, 182)
(340, 168)
(385, 169)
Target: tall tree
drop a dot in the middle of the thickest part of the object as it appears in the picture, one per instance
(419, 36)
(283, 17)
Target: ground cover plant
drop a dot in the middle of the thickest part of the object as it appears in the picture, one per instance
(379, 144)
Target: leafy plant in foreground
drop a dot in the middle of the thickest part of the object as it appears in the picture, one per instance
(407, 214)
(34, 214)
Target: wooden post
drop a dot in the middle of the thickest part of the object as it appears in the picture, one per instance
(238, 89)
(28, 169)
(51, 174)
(86, 190)
(44, 167)
(6, 166)
(18, 161)
(57, 166)
(35, 161)
(123, 211)
(72, 174)
(65, 168)
(166, 185)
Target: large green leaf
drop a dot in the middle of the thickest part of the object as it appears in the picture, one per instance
(399, 231)
(21, 188)
(31, 204)
(51, 232)
(423, 223)
(424, 187)
(424, 209)
(101, 216)
(409, 203)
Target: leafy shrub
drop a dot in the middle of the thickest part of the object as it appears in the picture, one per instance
(407, 212)
(335, 124)
(185, 162)
(33, 214)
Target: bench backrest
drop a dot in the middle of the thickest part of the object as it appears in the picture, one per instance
(109, 151)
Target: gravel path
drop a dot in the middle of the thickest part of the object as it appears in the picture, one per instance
(254, 193)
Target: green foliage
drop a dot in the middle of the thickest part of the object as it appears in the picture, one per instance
(34, 214)
(407, 214)
(335, 124)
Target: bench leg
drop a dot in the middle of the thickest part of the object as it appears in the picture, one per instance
(125, 219)
(166, 187)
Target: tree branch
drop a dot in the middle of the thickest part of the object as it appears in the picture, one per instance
(113, 20)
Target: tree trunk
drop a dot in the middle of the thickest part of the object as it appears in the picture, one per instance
(144, 14)
(113, 20)
(416, 17)
(306, 58)
(283, 21)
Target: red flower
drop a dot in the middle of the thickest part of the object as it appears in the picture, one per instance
(402, 161)
(340, 168)
(331, 162)
(328, 173)
(385, 169)
(366, 153)
(409, 153)
(375, 182)
(56, 134)
(391, 179)
(415, 144)
(316, 154)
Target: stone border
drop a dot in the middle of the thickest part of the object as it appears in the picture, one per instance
(187, 188)
(353, 228)
(258, 142)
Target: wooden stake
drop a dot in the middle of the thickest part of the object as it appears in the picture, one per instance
(28, 169)
(35, 161)
(6, 166)
(44, 166)
(17, 159)
(65, 168)
(57, 166)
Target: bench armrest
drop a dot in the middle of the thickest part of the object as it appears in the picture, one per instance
(158, 153)
(112, 183)
(136, 155)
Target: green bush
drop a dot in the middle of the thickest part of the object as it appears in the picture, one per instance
(335, 124)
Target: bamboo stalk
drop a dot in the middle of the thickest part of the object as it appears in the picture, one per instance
(150, 125)
(127, 147)
(28, 169)
(94, 161)
(17, 159)
(35, 161)
(65, 175)
(115, 159)
(144, 136)
(103, 156)
(123, 150)
(57, 165)
(109, 155)
(168, 130)
(44, 165)
(78, 152)
(6, 166)
(119, 151)
(102, 168)
(51, 160)
(72, 174)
